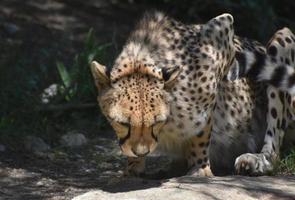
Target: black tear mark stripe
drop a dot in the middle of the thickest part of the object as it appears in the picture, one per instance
(153, 135)
(123, 140)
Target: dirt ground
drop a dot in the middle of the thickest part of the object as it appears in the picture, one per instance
(65, 173)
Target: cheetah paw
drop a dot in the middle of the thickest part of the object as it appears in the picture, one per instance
(252, 164)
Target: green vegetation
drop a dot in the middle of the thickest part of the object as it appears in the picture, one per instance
(286, 165)
(22, 110)
(77, 83)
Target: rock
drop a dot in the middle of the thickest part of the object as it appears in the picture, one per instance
(105, 165)
(35, 144)
(191, 188)
(73, 139)
(49, 93)
(45, 182)
(18, 173)
(11, 28)
(2, 148)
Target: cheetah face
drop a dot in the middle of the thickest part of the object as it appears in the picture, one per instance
(137, 107)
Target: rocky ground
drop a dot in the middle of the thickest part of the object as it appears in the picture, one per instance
(90, 170)
(190, 188)
(58, 173)
(73, 168)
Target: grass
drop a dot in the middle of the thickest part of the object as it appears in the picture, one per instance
(76, 81)
(286, 166)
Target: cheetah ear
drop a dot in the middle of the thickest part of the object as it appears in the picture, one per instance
(220, 31)
(170, 76)
(99, 73)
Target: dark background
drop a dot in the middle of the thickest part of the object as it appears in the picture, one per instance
(45, 42)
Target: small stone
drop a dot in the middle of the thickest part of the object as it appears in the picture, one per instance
(100, 148)
(2, 148)
(49, 93)
(51, 156)
(11, 28)
(20, 173)
(40, 183)
(45, 182)
(35, 144)
(78, 156)
(89, 170)
(105, 165)
(73, 139)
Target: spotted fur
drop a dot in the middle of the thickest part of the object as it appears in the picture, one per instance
(184, 88)
(280, 106)
(162, 88)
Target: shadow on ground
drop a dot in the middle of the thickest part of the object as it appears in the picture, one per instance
(215, 188)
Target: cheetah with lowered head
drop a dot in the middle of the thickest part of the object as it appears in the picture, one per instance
(161, 91)
(173, 82)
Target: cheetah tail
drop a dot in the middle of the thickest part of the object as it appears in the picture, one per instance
(276, 66)
(279, 66)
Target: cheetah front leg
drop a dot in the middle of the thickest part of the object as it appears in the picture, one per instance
(198, 152)
(262, 163)
(135, 166)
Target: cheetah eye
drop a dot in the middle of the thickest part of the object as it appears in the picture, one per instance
(121, 128)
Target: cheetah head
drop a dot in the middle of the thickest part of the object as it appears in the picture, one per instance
(135, 100)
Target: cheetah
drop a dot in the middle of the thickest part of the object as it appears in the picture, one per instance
(200, 93)
(255, 107)
(161, 91)
(276, 67)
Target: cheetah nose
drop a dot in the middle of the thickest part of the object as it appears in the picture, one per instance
(140, 150)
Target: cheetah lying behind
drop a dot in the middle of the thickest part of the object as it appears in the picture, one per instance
(173, 82)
